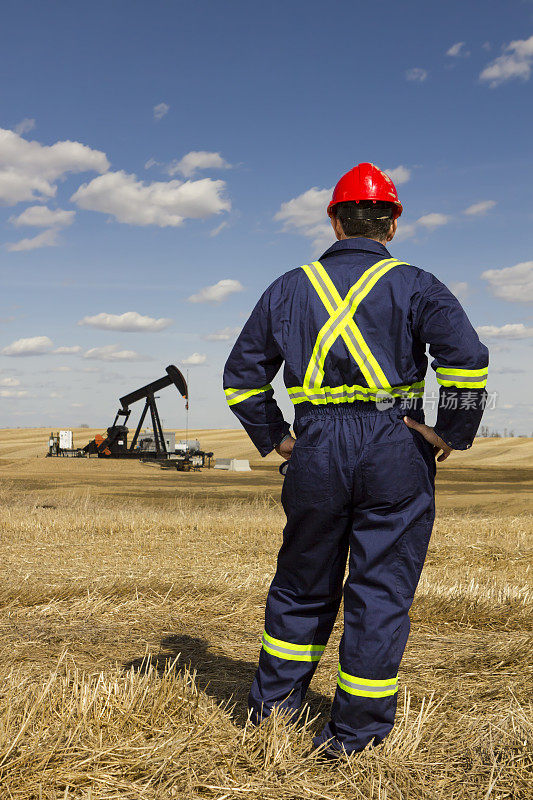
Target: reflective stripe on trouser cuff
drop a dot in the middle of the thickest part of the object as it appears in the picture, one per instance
(238, 395)
(462, 378)
(363, 687)
(347, 394)
(292, 652)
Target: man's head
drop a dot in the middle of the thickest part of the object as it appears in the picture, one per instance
(365, 203)
(373, 220)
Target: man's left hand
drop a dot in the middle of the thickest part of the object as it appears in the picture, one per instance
(285, 448)
(431, 437)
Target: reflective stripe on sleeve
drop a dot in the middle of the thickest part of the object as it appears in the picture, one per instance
(347, 394)
(238, 395)
(462, 378)
(363, 687)
(292, 652)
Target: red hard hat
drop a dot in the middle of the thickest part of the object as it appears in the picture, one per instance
(365, 182)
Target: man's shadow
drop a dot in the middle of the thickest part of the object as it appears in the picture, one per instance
(226, 679)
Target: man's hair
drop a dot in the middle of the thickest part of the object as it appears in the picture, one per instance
(366, 218)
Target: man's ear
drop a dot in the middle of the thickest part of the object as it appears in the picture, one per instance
(337, 227)
(392, 231)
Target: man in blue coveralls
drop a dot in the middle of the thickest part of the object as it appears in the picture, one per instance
(352, 329)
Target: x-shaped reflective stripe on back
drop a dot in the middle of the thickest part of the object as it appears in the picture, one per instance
(341, 323)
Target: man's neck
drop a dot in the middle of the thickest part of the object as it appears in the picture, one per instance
(370, 239)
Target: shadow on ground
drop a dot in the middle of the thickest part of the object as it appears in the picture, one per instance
(225, 679)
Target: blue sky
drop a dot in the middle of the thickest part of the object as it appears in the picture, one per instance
(151, 150)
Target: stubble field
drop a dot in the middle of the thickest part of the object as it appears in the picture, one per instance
(131, 609)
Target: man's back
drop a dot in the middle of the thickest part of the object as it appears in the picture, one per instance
(376, 314)
(352, 329)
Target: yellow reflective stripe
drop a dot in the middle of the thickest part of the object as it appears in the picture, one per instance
(463, 384)
(382, 380)
(368, 681)
(234, 396)
(335, 296)
(292, 652)
(330, 331)
(345, 325)
(462, 378)
(354, 303)
(347, 394)
(364, 687)
(457, 371)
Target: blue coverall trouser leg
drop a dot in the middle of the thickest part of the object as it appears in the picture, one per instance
(360, 483)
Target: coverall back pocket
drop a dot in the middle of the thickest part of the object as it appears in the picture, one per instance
(308, 478)
(391, 472)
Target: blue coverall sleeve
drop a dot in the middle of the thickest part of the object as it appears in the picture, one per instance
(460, 361)
(252, 365)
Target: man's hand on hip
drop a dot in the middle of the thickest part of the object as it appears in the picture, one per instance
(431, 437)
(285, 448)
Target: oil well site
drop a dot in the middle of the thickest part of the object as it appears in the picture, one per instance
(266, 443)
(131, 616)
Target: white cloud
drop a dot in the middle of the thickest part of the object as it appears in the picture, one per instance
(67, 351)
(9, 381)
(130, 321)
(34, 346)
(45, 239)
(196, 160)
(427, 222)
(512, 283)
(217, 292)
(480, 208)
(162, 203)
(306, 214)
(460, 289)
(13, 393)
(151, 163)
(515, 330)
(457, 50)
(194, 360)
(29, 170)
(112, 352)
(515, 62)
(161, 110)
(24, 126)
(224, 335)
(43, 217)
(405, 230)
(433, 220)
(416, 74)
(218, 229)
(399, 174)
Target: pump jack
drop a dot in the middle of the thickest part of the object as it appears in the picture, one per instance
(115, 444)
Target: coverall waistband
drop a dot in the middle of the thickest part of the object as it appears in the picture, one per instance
(357, 408)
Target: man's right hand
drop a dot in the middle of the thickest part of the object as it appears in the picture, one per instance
(285, 448)
(431, 437)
